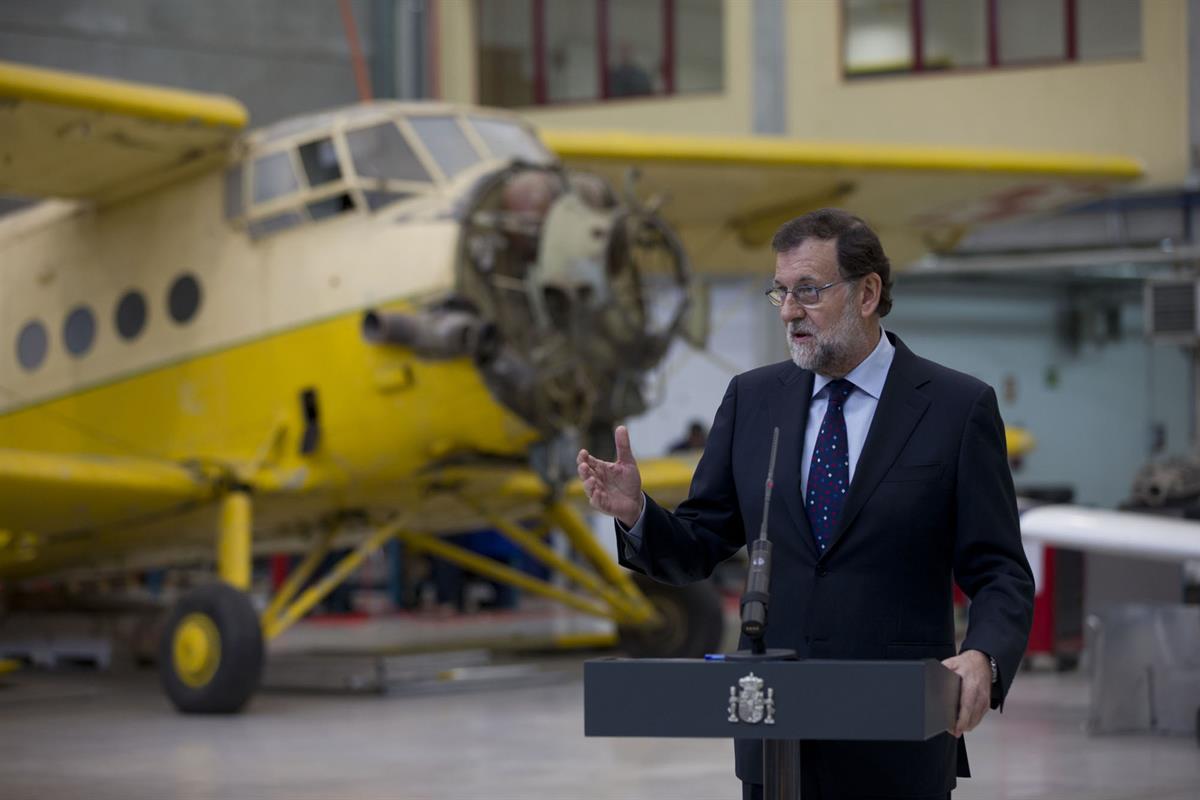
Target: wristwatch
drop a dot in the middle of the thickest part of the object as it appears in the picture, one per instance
(995, 670)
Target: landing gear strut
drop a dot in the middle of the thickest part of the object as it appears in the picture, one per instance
(211, 654)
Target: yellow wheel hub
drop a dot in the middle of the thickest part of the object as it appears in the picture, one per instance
(197, 649)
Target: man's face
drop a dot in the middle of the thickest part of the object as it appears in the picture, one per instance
(828, 338)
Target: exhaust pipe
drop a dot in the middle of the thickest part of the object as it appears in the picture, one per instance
(435, 335)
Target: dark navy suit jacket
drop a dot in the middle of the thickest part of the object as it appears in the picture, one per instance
(931, 502)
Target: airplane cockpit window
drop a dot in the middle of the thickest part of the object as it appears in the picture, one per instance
(446, 142)
(381, 151)
(320, 162)
(381, 155)
(363, 160)
(274, 177)
(320, 209)
(233, 192)
(509, 140)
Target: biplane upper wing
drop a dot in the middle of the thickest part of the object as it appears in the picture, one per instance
(727, 195)
(74, 136)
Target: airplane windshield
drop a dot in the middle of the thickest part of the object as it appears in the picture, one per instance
(320, 162)
(509, 140)
(233, 191)
(381, 151)
(446, 142)
(274, 177)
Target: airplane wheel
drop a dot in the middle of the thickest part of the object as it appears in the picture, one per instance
(211, 653)
(693, 621)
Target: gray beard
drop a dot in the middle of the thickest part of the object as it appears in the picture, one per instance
(827, 353)
(816, 356)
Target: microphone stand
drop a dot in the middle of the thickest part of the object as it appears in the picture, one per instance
(781, 757)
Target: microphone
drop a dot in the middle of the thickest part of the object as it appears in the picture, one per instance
(757, 595)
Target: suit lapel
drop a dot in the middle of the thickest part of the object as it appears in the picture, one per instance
(788, 408)
(900, 408)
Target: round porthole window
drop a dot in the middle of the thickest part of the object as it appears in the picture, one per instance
(79, 331)
(131, 315)
(32, 344)
(184, 298)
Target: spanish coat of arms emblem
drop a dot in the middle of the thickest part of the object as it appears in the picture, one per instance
(751, 705)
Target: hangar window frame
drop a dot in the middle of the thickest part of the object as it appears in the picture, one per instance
(917, 61)
(667, 74)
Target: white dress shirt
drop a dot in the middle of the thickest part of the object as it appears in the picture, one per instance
(868, 379)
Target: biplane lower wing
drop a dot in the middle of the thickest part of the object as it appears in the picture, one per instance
(61, 510)
(48, 499)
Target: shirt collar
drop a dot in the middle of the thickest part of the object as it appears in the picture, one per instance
(871, 373)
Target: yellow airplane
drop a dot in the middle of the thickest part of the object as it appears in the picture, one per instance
(388, 321)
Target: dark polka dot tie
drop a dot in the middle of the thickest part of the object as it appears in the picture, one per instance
(829, 473)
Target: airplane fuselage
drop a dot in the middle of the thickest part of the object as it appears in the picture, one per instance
(269, 371)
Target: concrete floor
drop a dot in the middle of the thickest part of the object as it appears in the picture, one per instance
(113, 736)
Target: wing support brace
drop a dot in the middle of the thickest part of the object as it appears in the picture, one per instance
(605, 591)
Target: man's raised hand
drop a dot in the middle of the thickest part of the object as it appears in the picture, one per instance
(614, 487)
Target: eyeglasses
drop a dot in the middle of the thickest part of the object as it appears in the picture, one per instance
(807, 296)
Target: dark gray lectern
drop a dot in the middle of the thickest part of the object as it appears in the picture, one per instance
(780, 702)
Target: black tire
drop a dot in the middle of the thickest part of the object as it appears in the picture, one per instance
(219, 684)
(693, 622)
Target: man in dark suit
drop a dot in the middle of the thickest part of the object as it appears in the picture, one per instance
(891, 483)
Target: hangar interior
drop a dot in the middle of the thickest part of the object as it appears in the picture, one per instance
(1074, 294)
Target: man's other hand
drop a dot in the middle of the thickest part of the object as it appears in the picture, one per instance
(975, 694)
(614, 487)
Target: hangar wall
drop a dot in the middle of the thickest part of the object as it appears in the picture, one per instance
(1131, 106)
(1091, 405)
(1103, 106)
(1092, 402)
(279, 57)
(726, 112)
